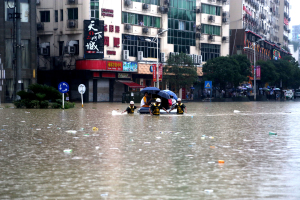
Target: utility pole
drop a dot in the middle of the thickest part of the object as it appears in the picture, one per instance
(17, 16)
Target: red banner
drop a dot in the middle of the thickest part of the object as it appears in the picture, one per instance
(246, 10)
(286, 21)
(160, 72)
(258, 73)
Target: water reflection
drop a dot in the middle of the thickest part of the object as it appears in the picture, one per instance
(149, 157)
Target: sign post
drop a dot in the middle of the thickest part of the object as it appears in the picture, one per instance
(208, 85)
(63, 88)
(81, 90)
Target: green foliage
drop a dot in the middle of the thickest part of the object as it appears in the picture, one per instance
(69, 105)
(180, 71)
(39, 97)
(227, 70)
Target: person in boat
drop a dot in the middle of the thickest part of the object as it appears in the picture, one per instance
(130, 109)
(181, 108)
(155, 108)
(146, 100)
(173, 101)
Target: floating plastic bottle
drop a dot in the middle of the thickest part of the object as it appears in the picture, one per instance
(208, 191)
(68, 151)
(272, 133)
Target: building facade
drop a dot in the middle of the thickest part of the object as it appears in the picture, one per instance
(265, 21)
(8, 46)
(197, 28)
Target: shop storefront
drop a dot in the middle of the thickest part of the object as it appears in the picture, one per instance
(107, 79)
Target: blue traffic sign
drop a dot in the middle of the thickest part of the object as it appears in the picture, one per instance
(63, 87)
(208, 84)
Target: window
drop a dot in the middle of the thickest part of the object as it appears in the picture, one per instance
(61, 48)
(210, 29)
(45, 16)
(211, 10)
(138, 43)
(94, 9)
(209, 51)
(153, 2)
(181, 25)
(72, 13)
(142, 20)
(61, 15)
(56, 16)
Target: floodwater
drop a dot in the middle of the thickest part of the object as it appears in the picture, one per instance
(151, 157)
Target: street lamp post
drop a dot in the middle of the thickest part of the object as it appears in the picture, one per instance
(157, 67)
(254, 63)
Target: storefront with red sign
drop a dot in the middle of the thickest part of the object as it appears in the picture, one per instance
(103, 83)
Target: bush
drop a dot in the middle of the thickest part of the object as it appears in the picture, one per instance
(39, 97)
(44, 104)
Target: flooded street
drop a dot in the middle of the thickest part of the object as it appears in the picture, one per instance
(149, 157)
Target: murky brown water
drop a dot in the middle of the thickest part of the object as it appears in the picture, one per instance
(148, 157)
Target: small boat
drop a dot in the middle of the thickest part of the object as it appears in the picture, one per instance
(145, 110)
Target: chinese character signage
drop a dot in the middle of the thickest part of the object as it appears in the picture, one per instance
(160, 72)
(124, 75)
(114, 65)
(94, 39)
(107, 12)
(130, 67)
(258, 73)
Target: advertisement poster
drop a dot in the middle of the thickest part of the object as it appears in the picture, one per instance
(124, 75)
(160, 72)
(258, 73)
(130, 66)
(93, 39)
(114, 65)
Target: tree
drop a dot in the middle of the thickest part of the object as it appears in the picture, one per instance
(180, 71)
(227, 70)
(268, 71)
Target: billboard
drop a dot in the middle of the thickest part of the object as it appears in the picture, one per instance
(160, 72)
(114, 65)
(93, 39)
(130, 67)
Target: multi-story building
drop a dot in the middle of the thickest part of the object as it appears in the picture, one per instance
(8, 46)
(197, 28)
(296, 33)
(284, 19)
(259, 20)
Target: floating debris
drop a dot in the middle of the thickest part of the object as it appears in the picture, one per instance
(68, 151)
(71, 131)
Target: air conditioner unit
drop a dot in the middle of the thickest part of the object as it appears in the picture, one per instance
(198, 35)
(71, 50)
(40, 26)
(224, 39)
(224, 20)
(145, 6)
(127, 2)
(38, 2)
(44, 51)
(125, 54)
(195, 58)
(140, 56)
(191, 56)
(167, 2)
(162, 57)
(199, 28)
(145, 30)
(198, 10)
(127, 27)
(166, 10)
(71, 24)
(211, 18)
(176, 53)
(161, 9)
(199, 61)
(171, 54)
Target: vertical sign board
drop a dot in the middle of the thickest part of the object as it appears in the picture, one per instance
(208, 85)
(160, 72)
(94, 39)
(63, 88)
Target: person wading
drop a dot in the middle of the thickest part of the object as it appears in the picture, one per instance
(155, 108)
(130, 109)
(146, 100)
(181, 108)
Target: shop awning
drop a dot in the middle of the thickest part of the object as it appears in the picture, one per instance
(131, 84)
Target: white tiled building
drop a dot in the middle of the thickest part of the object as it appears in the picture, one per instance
(196, 27)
